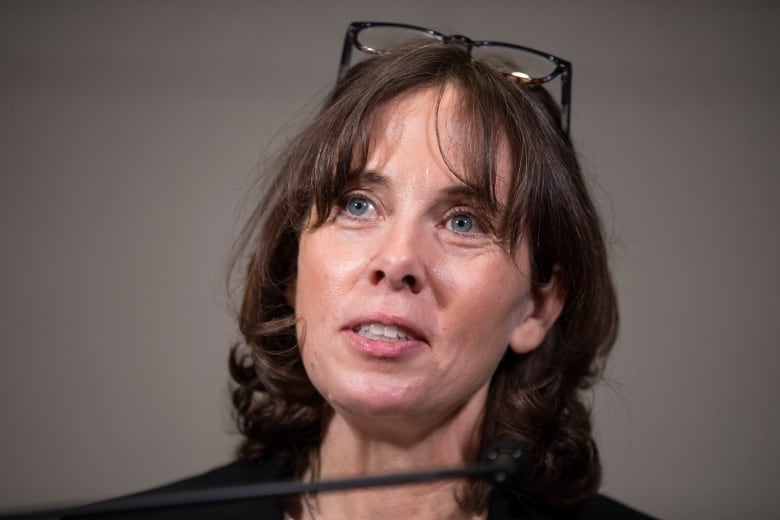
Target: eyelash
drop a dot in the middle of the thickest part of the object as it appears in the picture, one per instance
(344, 201)
(476, 219)
(480, 222)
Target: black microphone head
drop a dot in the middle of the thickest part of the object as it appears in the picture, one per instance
(509, 460)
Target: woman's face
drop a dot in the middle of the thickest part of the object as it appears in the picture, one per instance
(406, 302)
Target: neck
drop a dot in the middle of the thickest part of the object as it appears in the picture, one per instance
(352, 448)
(437, 501)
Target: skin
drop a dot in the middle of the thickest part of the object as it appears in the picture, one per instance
(407, 247)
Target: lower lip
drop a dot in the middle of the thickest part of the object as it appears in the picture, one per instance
(382, 349)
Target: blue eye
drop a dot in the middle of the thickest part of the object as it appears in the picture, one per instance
(462, 223)
(358, 207)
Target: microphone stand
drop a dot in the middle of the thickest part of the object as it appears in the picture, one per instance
(498, 465)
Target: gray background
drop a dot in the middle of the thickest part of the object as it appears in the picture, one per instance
(128, 135)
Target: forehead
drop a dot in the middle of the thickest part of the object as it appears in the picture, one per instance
(408, 126)
(433, 121)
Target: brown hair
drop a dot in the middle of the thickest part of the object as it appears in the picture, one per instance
(535, 400)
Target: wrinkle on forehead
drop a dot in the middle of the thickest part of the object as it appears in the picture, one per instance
(446, 132)
(450, 136)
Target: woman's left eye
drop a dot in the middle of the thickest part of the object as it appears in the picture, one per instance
(463, 223)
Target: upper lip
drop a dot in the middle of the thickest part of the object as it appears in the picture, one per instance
(387, 319)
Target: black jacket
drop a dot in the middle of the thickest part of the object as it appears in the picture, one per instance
(503, 506)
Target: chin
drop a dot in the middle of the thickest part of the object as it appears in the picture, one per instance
(376, 396)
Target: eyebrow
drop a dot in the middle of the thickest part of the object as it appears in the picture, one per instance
(373, 178)
(370, 178)
(463, 191)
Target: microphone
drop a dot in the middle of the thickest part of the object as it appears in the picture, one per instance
(500, 463)
(509, 456)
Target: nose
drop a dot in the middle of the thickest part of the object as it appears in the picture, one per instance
(399, 260)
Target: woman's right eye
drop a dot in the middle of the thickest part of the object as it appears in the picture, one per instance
(359, 206)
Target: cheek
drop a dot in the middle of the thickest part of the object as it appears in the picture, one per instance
(492, 306)
(312, 267)
(328, 270)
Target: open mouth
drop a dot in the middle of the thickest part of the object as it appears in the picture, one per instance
(382, 332)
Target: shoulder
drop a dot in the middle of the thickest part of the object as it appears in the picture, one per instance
(601, 506)
(598, 507)
(237, 473)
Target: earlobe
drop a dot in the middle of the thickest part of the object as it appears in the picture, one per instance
(547, 304)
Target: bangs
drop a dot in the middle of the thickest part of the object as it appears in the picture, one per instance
(482, 137)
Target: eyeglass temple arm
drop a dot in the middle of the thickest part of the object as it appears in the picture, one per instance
(346, 52)
(566, 98)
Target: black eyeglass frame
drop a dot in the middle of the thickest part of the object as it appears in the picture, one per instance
(563, 68)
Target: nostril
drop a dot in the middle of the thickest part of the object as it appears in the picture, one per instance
(409, 280)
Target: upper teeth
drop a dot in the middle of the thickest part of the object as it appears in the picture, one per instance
(383, 332)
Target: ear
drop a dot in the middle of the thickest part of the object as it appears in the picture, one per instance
(546, 305)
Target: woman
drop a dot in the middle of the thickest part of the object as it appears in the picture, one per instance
(425, 275)
(451, 286)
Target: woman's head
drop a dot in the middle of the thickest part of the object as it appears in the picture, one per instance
(503, 149)
(406, 297)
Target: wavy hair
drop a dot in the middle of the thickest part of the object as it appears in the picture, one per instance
(537, 400)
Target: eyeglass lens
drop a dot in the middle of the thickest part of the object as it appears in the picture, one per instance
(509, 60)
